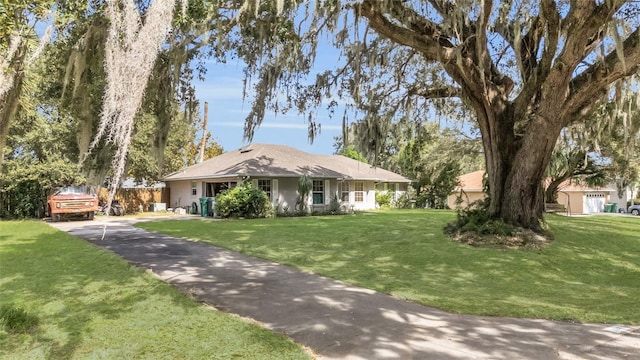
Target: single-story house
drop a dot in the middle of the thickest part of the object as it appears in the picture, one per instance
(576, 198)
(275, 169)
(582, 199)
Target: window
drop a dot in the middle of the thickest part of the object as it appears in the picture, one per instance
(359, 191)
(344, 191)
(265, 185)
(194, 188)
(318, 192)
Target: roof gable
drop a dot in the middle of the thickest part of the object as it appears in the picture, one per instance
(471, 181)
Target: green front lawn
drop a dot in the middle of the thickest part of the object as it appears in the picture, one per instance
(92, 304)
(590, 273)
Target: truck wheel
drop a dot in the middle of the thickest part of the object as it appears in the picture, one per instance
(55, 217)
(90, 215)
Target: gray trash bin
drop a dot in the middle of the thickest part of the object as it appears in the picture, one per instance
(211, 203)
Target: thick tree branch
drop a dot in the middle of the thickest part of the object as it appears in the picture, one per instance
(534, 72)
(428, 41)
(598, 78)
(435, 92)
(444, 7)
(482, 54)
(582, 27)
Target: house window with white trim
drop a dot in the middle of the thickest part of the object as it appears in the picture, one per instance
(265, 185)
(318, 192)
(194, 188)
(344, 191)
(359, 191)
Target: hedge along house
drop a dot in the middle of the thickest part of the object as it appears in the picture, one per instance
(276, 169)
(576, 198)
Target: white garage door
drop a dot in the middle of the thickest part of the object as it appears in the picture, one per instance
(593, 203)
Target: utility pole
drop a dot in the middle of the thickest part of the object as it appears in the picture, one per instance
(203, 143)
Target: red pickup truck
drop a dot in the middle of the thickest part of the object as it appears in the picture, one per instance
(71, 201)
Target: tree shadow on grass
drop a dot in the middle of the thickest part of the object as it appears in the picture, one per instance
(339, 320)
(574, 278)
(78, 294)
(40, 273)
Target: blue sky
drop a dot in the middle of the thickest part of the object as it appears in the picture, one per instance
(222, 89)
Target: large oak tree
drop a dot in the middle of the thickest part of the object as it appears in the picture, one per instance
(526, 69)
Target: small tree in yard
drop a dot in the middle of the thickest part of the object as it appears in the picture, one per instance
(305, 185)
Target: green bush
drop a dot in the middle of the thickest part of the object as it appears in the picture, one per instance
(405, 201)
(334, 205)
(384, 199)
(476, 219)
(244, 200)
(17, 320)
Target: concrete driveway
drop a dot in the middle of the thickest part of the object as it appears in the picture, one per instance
(339, 321)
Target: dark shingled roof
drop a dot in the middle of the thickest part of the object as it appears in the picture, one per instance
(283, 161)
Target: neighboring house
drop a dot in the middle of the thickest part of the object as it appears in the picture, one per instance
(577, 199)
(469, 189)
(582, 199)
(275, 169)
(621, 198)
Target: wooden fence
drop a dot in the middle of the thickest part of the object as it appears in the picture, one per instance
(132, 199)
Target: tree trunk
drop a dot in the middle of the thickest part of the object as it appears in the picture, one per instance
(516, 173)
(551, 193)
(8, 109)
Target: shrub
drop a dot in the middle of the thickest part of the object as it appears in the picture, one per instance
(384, 199)
(334, 205)
(284, 211)
(404, 202)
(476, 219)
(244, 200)
(17, 320)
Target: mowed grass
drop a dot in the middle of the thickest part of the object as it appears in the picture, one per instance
(92, 304)
(590, 273)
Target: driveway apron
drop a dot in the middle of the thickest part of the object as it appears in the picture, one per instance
(339, 321)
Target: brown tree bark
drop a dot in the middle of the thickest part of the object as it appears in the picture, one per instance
(8, 109)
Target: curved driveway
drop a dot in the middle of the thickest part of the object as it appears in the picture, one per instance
(339, 321)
